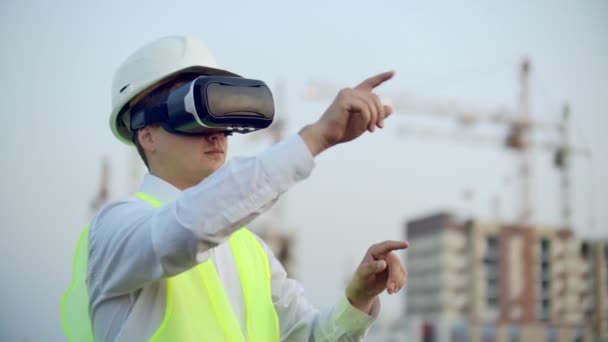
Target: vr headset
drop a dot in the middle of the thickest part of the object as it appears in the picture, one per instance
(210, 104)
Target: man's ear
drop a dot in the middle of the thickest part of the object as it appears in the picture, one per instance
(147, 139)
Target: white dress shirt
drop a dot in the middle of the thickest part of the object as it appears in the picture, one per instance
(133, 246)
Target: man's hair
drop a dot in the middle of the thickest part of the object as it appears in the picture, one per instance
(153, 99)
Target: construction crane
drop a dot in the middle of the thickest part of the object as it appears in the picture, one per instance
(136, 170)
(519, 122)
(102, 196)
(103, 191)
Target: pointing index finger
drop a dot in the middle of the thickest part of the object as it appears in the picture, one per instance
(380, 249)
(374, 81)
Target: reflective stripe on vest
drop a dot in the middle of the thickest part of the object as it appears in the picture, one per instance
(197, 307)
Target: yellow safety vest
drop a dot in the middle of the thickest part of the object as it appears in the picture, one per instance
(197, 307)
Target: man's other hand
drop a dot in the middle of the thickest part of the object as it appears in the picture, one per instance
(379, 270)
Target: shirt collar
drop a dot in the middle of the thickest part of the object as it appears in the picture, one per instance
(159, 189)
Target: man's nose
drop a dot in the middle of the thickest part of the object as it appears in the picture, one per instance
(213, 137)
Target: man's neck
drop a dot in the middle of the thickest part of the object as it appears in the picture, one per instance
(178, 182)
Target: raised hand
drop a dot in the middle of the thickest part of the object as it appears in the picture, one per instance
(353, 111)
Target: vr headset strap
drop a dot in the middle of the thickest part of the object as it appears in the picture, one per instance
(148, 116)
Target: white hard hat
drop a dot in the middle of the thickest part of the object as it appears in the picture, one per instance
(151, 64)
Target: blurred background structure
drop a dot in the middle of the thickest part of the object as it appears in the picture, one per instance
(490, 281)
(493, 166)
(519, 122)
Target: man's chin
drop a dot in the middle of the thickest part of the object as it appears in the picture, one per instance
(212, 166)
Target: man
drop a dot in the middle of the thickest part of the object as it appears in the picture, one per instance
(172, 262)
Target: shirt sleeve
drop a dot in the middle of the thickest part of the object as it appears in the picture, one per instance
(299, 320)
(132, 243)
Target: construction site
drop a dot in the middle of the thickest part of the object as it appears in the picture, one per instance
(491, 166)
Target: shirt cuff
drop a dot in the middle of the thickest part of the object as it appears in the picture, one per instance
(352, 321)
(287, 162)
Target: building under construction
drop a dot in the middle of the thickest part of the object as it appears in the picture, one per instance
(477, 281)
